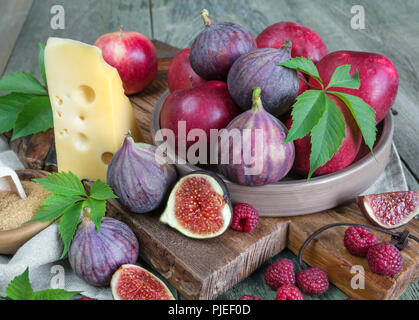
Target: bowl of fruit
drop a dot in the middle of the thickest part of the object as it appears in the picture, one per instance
(313, 128)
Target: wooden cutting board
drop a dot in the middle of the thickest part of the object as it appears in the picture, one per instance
(202, 269)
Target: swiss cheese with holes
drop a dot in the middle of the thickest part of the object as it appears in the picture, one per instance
(91, 113)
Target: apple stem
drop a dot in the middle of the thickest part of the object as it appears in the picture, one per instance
(120, 31)
(257, 102)
(287, 45)
(191, 81)
(205, 17)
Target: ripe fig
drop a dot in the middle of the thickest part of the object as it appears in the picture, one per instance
(305, 42)
(390, 210)
(95, 256)
(199, 206)
(272, 159)
(216, 48)
(131, 282)
(259, 68)
(139, 176)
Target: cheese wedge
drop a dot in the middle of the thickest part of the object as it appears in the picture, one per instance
(91, 113)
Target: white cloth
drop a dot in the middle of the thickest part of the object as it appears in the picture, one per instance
(42, 253)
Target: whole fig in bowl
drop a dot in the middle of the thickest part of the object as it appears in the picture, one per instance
(216, 48)
(139, 176)
(259, 68)
(95, 256)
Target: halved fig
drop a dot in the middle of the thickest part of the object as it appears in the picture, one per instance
(199, 206)
(131, 282)
(390, 210)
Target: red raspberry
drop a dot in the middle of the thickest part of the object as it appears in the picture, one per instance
(384, 258)
(289, 292)
(358, 240)
(245, 217)
(313, 281)
(249, 297)
(279, 273)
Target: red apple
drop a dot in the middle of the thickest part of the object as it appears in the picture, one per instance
(343, 158)
(207, 106)
(378, 76)
(305, 42)
(133, 55)
(180, 72)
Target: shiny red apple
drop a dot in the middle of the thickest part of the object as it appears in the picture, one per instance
(180, 74)
(305, 42)
(207, 106)
(378, 76)
(133, 55)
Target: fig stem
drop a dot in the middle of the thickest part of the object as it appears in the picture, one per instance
(257, 102)
(120, 30)
(191, 81)
(287, 45)
(205, 17)
(395, 235)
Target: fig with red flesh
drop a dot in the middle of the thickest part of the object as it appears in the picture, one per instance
(259, 68)
(199, 206)
(390, 210)
(216, 48)
(131, 282)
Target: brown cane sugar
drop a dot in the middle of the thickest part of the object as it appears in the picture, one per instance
(15, 211)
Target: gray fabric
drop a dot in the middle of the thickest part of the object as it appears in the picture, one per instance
(43, 251)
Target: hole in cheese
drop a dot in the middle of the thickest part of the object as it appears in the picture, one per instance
(82, 118)
(106, 157)
(59, 114)
(58, 100)
(64, 132)
(85, 94)
(81, 142)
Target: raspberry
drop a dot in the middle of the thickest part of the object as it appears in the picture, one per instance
(384, 258)
(245, 217)
(289, 292)
(358, 240)
(313, 281)
(279, 273)
(249, 297)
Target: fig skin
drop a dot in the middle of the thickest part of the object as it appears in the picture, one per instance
(279, 85)
(95, 256)
(216, 48)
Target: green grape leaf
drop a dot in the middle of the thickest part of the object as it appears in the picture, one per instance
(68, 225)
(98, 210)
(54, 206)
(42, 62)
(10, 106)
(305, 65)
(54, 294)
(63, 183)
(342, 79)
(22, 82)
(101, 191)
(20, 288)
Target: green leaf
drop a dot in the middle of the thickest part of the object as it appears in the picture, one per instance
(54, 294)
(101, 191)
(41, 62)
(62, 183)
(304, 65)
(22, 82)
(54, 206)
(10, 106)
(363, 114)
(35, 116)
(20, 288)
(68, 224)
(326, 136)
(98, 210)
(306, 113)
(342, 79)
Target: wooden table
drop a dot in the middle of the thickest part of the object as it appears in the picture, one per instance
(390, 28)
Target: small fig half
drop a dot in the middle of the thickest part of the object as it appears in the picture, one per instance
(199, 206)
(390, 210)
(131, 282)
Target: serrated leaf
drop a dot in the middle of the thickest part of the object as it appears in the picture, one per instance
(35, 116)
(326, 136)
(54, 294)
(62, 183)
(20, 287)
(342, 79)
(306, 113)
(101, 191)
(22, 82)
(54, 206)
(363, 114)
(10, 106)
(98, 210)
(305, 65)
(68, 224)
(41, 62)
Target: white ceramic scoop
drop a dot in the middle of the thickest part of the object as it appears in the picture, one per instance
(9, 181)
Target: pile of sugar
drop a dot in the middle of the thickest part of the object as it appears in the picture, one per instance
(15, 211)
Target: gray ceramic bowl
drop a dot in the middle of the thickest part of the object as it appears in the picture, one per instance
(297, 196)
